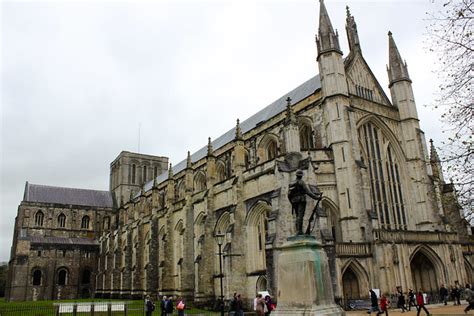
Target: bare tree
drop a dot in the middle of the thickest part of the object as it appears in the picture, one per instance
(451, 37)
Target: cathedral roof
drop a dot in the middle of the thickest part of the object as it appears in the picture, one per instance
(68, 196)
(296, 95)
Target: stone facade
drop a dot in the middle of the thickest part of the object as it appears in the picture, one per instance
(387, 217)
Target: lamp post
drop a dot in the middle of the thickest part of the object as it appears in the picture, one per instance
(220, 240)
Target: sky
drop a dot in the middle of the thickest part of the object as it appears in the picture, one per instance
(82, 81)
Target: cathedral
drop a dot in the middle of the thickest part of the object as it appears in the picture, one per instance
(387, 217)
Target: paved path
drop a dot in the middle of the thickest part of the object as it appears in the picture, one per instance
(435, 309)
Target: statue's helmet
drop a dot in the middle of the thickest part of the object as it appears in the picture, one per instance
(299, 173)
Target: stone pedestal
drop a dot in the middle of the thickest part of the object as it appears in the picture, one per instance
(304, 281)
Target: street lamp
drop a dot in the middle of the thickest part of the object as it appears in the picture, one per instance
(220, 240)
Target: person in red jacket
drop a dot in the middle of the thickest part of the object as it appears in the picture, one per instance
(383, 306)
(421, 303)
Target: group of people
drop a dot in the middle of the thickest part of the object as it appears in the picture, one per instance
(263, 306)
(417, 300)
(166, 306)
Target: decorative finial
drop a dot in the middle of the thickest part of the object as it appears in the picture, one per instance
(188, 160)
(348, 12)
(170, 171)
(238, 131)
(209, 147)
(155, 183)
(389, 33)
(142, 190)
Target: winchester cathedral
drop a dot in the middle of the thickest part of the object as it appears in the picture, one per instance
(387, 217)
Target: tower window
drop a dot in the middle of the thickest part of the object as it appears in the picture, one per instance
(62, 220)
(39, 217)
(85, 222)
(134, 170)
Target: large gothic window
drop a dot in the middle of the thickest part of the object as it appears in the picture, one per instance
(221, 171)
(199, 182)
(268, 148)
(257, 231)
(39, 217)
(385, 177)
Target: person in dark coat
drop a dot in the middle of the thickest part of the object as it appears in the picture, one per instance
(469, 296)
(443, 294)
(149, 306)
(411, 299)
(239, 306)
(401, 300)
(163, 305)
(169, 307)
(374, 303)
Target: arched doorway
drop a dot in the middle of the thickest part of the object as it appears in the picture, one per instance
(424, 273)
(350, 285)
(261, 284)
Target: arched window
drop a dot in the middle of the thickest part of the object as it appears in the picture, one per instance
(271, 150)
(62, 220)
(268, 148)
(145, 174)
(133, 172)
(221, 171)
(257, 231)
(62, 276)
(86, 276)
(85, 222)
(180, 190)
(39, 217)
(306, 137)
(385, 177)
(199, 182)
(37, 276)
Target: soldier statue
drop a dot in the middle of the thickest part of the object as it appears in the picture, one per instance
(297, 196)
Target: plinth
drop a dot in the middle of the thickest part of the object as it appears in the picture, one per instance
(304, 282)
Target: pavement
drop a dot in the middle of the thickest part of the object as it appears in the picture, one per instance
(434, 309)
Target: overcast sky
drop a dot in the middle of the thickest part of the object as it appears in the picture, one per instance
(79, 78)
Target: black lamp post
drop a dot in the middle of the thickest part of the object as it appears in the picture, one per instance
(220, 240)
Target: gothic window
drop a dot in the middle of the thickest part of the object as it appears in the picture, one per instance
(85, 222)
(271, 150)
(180, 190)
(133, 172)
(221, 171)
(306, 137)
(62, 220)
(199, 182)
(144, 173)
(385, 178)
(178, 251)
(39, 216)
(247, 159)
(37, 276)
(62, 276)
(257, 231)
(268, 148)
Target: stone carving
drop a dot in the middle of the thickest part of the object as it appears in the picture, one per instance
(297, 196)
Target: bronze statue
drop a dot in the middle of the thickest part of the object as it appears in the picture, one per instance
(297, 196)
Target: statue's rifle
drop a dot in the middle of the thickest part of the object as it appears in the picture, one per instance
(310, 228)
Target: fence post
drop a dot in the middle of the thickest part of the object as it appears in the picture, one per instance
(109, 309)
(74, 309)
(57, 310)
(92, 309)
(125, 308)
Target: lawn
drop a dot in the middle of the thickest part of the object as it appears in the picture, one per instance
(47, 308)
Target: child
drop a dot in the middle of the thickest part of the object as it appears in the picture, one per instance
(383, 305)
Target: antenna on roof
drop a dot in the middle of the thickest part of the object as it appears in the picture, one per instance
(139, 128)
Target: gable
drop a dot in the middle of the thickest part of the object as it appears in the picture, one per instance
(362, 82)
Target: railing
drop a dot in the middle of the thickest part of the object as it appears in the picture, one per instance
(414, 236)
(353, 250)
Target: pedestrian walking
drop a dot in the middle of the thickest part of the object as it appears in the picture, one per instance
(456, 293)
(411, 299)
(260, 305)
(374, 305)
(443, 294)
(383, 305)
(233, 305)
(400, 300)
(269, 305)
(421, 303)
(239, 307)
(149, 306)
(469, 296)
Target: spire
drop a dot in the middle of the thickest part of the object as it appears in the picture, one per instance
(189, 163)
(290, 115)
(435, 162)
(351, 30)
(433, 153)
(397, 68)
(170, 171)
(209, 147)
(327, 39)
(238, 131)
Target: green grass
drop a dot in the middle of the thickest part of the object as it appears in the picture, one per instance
(46, 308)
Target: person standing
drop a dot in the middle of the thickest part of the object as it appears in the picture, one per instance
(443, 294)
(383, 305)
(163, 305)
(149, 306)
(411, 299)
(233, 305)
(260, 305)
(374, 305)
(239, 306)
(180, 306)
(269, 305)
(456, 293)
(169, 306)
(421, 303)
(469, 296)
(401, 300)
